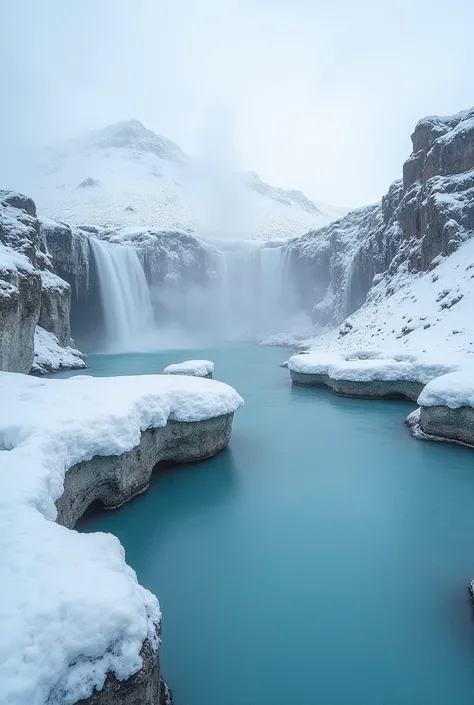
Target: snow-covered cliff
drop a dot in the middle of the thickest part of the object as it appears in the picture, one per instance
(375, 251)
(31, 294)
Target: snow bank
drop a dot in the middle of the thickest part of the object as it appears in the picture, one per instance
(371, 365)
(453, 390)
(195, 368)
(71, 610)
(49, 356)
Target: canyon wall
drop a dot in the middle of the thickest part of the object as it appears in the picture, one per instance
(423, 218)
(30, 293)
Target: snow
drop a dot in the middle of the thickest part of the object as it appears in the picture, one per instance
(197, 368)
(146, 180)
(10, 260)
(50, 356)
(71, 609)
(371, 365)
(49, 280)
(454, 390)
(429, 312)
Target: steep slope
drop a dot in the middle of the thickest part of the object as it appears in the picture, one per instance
(126, 175)
(380, 250)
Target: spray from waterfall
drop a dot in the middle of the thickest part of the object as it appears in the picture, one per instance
(125, 298)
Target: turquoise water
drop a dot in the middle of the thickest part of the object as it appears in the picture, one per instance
(322, 559)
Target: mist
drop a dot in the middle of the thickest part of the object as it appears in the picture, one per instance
(322, 97)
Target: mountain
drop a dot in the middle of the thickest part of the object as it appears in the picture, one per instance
(126, 175)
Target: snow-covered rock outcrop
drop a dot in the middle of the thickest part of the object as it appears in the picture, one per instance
(422, 219)
(193, 368)
(446, 410)
(73, 617)
(30, 293)
(368, 373)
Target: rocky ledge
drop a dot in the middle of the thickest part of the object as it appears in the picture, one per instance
(446, 410)
(370, 374)
(372, 389)
(99, 631)
(113, 480)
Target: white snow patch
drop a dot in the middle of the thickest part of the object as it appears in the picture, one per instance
(10, 260)
(196, 368)
(49, 280)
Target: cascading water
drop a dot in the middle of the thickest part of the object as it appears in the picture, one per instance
(253, 294)
(272, 303)
(125, 298)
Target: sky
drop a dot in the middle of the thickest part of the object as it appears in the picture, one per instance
(321, 96)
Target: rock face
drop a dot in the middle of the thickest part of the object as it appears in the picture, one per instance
(69, 253)
(20, 293)
(421, 219)
(55, 307)
(30, 292)
(20, 281)
(113, 480)
(374, 389)
(445, 424)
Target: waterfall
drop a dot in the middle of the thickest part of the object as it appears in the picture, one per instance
(272, 304)
(125, 297)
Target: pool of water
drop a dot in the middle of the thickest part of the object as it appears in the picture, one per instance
(322, 559)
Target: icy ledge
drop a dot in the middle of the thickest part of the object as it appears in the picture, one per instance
(446, 410)
(75, 623)
(368, 373)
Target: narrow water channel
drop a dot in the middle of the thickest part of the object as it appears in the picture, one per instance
(322, 559)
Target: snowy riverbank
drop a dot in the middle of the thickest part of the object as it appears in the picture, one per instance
(71, 610)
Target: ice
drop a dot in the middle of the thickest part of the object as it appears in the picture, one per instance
(71, 609)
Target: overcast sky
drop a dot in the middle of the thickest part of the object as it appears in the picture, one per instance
(322, 96)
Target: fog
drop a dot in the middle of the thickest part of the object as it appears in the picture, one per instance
(323, 96)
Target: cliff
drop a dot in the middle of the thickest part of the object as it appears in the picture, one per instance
(423, 218)
(31, 294)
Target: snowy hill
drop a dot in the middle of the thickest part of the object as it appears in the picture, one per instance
(126, 175)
